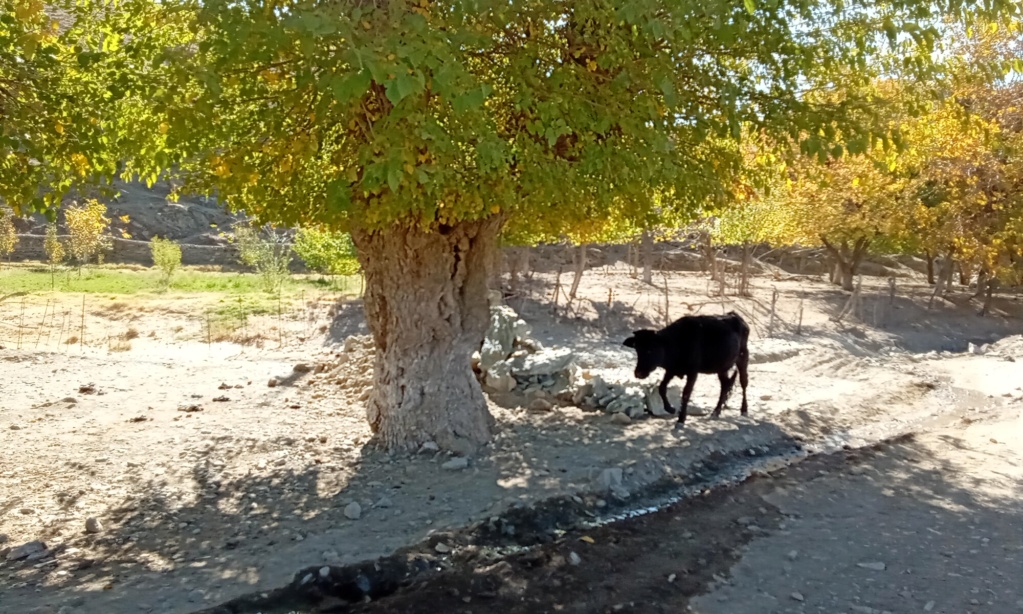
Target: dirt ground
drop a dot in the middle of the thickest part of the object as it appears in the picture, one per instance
(928, 523)
(209, 483)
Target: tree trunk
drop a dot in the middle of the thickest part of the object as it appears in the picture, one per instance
(991, 285)
(648, 257)
(580, 267)
(426, 306)
(949, 278)
(513, 273)
(847, 260)
(944, 278)
(747, 257)
(981, 283)
(930, 268)
(965, 274)
(710, 258)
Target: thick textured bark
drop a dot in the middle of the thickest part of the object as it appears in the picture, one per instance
(647, 244)
(965, 274)
(930, 268)
(944, 280)
(710, 258)
(847, 260)
(426, 305)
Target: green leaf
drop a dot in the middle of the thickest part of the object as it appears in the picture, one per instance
(402, 87)
(750, 5)
(352, 85)
(472, 99)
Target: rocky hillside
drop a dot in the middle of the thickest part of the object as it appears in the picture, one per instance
(190, 220)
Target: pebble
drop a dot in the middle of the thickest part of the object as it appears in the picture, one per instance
(324, 572)
(331, 555)
(442, 548)
(671, 577)
(621, 418)
(792, 555)
(873, 566)
(574, 559)
(272, 383)
(428, 447)
(384, 502)
(797, 596)
(456, 464)
(93, 525)
(16, 427)
(353, 511)
(928, 606)
(302, 368)
(540, 404)
(196, 595)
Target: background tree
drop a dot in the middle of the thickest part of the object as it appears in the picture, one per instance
(8, 234)
(424, 128)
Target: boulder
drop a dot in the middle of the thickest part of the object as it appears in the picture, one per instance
(500, 338)
(545, 362)
(499, 378)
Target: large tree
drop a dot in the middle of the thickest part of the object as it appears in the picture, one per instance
(425, 127)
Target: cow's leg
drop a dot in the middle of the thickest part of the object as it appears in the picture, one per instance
(742, 365)
(663, 389)
(726, 387)
(686, 393)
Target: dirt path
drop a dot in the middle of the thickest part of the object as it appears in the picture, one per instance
(198, 507)
(928, 523)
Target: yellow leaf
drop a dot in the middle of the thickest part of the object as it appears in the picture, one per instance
(495, 208)
(587, 539)
(59, 128)
(164, 127)
(125, 219)
(365, 25)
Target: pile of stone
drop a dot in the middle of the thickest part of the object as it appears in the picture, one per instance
(511, 360)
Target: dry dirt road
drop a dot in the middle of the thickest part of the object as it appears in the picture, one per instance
(922, 523)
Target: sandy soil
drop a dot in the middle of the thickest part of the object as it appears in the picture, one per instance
(258, 481)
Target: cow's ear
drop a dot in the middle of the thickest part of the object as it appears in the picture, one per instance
(630, 342)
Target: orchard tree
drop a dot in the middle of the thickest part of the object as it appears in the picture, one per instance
(425, 127)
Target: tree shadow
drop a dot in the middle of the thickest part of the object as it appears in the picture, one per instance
(243, 526)
(912, 325)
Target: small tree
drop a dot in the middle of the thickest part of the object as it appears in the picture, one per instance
(266, 252)
(8, 235)
(166, 257)
(55, 252)
(327, 252)
(87, 225)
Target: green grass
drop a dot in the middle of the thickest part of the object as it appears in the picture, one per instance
(127, 281)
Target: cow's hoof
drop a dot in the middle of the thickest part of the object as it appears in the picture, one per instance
(679, 426)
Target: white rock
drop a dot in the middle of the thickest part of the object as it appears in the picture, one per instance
(353, 511)
(324, 572)
(545, 362)
(928, 606)
(93, 525)
(442, 548)
(429, 447)
(574, 558)
(456, 464)
(499, 377)
(797, 596)
(873, 566)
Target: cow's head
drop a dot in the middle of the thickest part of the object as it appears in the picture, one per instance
(649, 351)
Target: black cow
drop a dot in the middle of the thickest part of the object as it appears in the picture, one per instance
(693, 345)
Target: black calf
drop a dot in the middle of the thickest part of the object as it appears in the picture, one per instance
(693, 345)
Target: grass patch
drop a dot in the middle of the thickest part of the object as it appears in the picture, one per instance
(127, 281)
